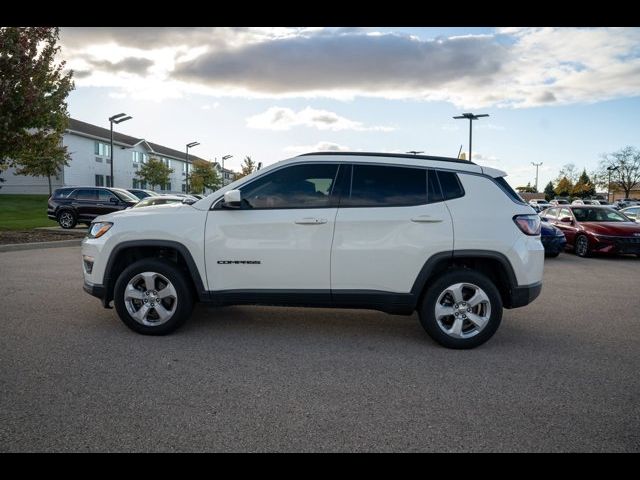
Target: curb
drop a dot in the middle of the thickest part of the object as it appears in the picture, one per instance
(12, 247)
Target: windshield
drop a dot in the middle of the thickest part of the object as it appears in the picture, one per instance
(124, 195)
(598, 215)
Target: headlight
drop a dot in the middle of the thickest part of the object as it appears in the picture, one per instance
(98, 229)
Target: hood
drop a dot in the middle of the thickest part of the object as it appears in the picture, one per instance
(141, 212)
(618, 229)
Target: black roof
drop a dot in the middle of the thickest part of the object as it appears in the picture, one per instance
(394, 155)
(95, 131)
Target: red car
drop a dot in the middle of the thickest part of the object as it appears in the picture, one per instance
(595, 229)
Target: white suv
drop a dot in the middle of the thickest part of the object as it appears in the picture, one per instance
(396, 233)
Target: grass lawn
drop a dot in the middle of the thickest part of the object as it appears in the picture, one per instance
(22, 212)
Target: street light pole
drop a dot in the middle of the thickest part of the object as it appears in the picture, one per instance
(536, 165)
(471, 118)
(226, 157)
(610, 169)
(115, 119)
(186, 160)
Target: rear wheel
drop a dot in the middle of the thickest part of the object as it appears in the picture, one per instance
(582, 246)
(67, 219)
(462, 309)
(152, 297)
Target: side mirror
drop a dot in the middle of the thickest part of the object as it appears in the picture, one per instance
(232, 199)
(566, 220)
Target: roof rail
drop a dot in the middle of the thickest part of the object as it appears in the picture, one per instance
(394, 155)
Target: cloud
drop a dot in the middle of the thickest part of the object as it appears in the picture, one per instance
(133, 65)
(513, 67)
(279, 118)
(318, 147)
(371, 63)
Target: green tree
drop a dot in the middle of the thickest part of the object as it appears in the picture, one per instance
(584, 187)
(528, 188)
(627, 175)
(33, 108)
(154, 172)
(248, 166)
(203, 175)
(549, 193)
(564, 187)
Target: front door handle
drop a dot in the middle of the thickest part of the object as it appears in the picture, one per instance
(426, 219)
(311, 221)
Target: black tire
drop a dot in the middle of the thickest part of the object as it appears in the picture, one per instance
(179, 282)
(67, 219)
(552, 254)
(579, 249)
(427, 314)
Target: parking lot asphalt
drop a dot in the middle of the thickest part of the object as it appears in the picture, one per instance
(559, 375)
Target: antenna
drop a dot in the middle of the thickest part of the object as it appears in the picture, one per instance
(459, 151)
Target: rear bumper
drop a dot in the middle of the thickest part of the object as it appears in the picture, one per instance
(521, 296)
(553, 244)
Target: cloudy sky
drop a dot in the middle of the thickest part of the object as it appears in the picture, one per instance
(554, 95)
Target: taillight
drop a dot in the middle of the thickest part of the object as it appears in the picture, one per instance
(528, 224)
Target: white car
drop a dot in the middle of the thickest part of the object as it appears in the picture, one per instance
(632, 212)
(396, 233)
(538, 205)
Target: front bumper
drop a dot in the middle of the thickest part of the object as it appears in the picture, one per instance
(95, 290)
(521, 296)
(613, 245)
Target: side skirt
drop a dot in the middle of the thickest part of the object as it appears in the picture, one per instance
(389, 302)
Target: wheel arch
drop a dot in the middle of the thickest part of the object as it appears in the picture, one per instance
(494, 265)
(126, 253)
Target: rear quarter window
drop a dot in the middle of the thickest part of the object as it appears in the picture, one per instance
(506, 188)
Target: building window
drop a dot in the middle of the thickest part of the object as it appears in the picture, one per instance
(168, 186)
(184, 168)
(184, 188)
(99, 159)
(99, 180)
(102, 149)
(139, 157)
(109, 183)
(135, 183)
(166, 161)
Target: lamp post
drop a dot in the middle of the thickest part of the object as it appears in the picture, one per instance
(186, 161)
(610, 169)
(471, 118)
(536, 165)
(119, 118)
(226, 157)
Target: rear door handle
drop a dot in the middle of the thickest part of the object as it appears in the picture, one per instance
(311, 221)
(426, 219)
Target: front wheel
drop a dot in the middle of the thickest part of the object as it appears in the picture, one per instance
(152, 297)
(582, 246)
(461, 310)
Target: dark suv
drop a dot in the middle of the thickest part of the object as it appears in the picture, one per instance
(71, 205)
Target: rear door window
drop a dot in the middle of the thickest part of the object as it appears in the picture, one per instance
(386, 186)
(450, 185)
(86, 194)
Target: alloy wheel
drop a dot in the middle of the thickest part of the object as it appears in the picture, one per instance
(462, 310)
(150, 298)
